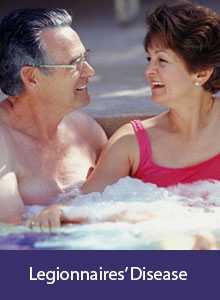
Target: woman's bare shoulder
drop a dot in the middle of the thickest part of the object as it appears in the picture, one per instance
(156, 122)
(125, 133)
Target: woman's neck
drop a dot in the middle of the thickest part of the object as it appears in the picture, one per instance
(190, 118)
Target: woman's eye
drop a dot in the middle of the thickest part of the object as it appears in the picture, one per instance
(162, 60)
(148, 58)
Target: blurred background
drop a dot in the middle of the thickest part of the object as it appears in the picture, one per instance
(114, 30)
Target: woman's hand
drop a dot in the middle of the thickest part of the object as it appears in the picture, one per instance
(49, 218)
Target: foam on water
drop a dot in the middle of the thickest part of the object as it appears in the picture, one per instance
(134, 215)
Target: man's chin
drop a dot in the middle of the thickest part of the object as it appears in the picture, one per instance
(82, 101)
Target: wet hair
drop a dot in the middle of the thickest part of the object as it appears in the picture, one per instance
(21, 44)
(192, 32)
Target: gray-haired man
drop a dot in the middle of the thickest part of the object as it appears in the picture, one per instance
(46, 145)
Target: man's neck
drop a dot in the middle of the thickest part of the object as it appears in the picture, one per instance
(30, 118)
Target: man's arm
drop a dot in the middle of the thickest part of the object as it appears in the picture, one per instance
(11, 204)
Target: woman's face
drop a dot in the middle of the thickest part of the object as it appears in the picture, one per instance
(170, 81)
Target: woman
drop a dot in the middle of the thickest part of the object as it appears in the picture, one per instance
(180, 145)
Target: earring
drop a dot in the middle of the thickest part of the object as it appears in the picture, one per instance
(197, 83)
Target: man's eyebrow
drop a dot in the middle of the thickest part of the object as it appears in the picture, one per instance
(73, 60)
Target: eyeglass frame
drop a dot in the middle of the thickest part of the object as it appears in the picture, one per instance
(73, 64)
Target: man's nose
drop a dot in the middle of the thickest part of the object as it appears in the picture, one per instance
(88, 70)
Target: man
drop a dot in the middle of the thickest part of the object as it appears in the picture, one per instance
(46, 145)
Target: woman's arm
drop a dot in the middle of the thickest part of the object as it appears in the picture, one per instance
(115, 162)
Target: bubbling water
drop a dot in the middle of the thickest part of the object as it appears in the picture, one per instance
(131, 214)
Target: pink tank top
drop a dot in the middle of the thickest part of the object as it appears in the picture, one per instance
(148, 171)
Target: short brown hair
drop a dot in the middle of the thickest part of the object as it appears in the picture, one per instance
(193, 32)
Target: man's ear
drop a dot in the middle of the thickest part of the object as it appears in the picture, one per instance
(29, 76)
(203, 76)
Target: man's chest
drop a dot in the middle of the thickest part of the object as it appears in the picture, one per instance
(42, 175)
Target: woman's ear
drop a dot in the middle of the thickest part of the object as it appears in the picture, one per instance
(203, 76)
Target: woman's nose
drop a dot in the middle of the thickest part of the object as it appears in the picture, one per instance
(151, 69)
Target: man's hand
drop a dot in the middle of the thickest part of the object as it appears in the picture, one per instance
(49, 218)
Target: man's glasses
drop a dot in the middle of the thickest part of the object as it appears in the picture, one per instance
(75, 65)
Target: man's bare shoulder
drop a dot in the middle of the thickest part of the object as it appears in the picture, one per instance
(87, 127)
(77, 116)
(82, 120)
